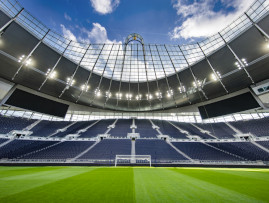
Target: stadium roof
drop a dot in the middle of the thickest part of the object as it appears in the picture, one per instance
(134, 75)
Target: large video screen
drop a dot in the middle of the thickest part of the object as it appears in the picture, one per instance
(32, 102)
(235, 104)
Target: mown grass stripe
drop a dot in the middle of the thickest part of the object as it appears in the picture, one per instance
(99, 185)
(17, 183)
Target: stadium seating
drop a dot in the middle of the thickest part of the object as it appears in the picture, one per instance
(144, 127)
(200, 151)
(167, 129)
(63, 150)
(46, 128)
(18, 148)
(122, 128)
(244, 149)
(264, 144)
(108, 149)
(73, 129)
(158, 149)
(8, 124)
(98, 128)
(257, 127)
(2, 140)
(191, 129)
(220, 130)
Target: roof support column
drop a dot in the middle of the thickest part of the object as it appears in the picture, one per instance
(4, 27)
(87, 82)
(237, 58)
(138, 88)
(146, 70)
(54, 66)
(179, 81)
(30, 54)
(122, 65)
(69, 83)
(111, 79)
(129, 97)
(167, 82)
(102, 72)
(157, 83)
(216, 75)
(194, 77)
(258, 27)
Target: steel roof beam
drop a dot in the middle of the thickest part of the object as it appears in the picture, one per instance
(69, 83)
(29, 55)
(194, 77)
(179, 81)
(216, 75)
(238, 59)
(54, 66)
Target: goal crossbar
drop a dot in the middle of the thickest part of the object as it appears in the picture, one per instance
(133, 158)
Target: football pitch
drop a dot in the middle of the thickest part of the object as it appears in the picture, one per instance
(132, 184)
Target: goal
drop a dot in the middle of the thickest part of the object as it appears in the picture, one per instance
(133, 159)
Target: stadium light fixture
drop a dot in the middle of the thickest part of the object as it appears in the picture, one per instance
(119, 95)
(238, 65)
(51, 74)
(216, 76)
(85, 88)
(149, 96)
(23, 60)
(129, 96)
(169, 93)
(108, 94)
(244, 61)
(70, 82)
(158, 95)
(199, 84)
(182, 89)
(138, 97)
(97, 93)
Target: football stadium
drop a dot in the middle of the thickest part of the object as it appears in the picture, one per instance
(174, 110)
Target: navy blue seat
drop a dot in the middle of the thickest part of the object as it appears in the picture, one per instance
(73, 129)
(144, 127)
(63, 150)
(167, 129)
(259, 127)
(98, 128)
(158, 149)
(244, 149)
(108, 149)
(122, 128)
(220, 130)
(200, 151)
(46, 128)
(8, 124)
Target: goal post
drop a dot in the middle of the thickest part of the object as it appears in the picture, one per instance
(133, 159)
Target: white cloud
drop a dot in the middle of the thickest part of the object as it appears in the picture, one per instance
(97, 34)
(68, 33)
(105, 6)
(67, 17)
(200, 20)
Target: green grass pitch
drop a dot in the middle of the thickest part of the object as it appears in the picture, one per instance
(137, 184)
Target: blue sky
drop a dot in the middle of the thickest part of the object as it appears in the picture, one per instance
(158, 21)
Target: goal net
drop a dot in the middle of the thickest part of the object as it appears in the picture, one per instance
(133, 159)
